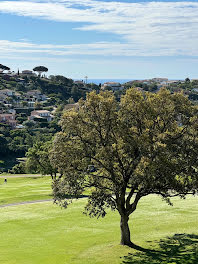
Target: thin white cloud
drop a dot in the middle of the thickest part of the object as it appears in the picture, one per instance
(152, 28)
(95, 49)
(99, 48)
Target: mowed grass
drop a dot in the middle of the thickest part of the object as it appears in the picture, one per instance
(21, 189)
(45, 233)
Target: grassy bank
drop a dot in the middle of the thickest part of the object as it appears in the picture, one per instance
(44, 233)
(22, 189)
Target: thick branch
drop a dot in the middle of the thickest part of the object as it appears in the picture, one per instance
(134, 204)
(131, 193)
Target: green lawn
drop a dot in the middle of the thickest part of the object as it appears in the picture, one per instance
(25, 189)
(45, 233)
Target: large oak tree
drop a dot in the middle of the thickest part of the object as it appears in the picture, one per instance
(145, 144)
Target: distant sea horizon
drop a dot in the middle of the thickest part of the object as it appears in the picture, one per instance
(121, 81)
(98, 81)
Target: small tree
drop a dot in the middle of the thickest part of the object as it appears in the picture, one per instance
(40, 69)
(38, 159)
(24, 103)
(146, 144)
(38, 105)
(187, 80)
(29, 124)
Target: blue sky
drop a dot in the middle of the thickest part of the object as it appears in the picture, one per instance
(101, 39)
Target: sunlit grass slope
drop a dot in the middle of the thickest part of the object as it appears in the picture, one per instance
(25, 189)
(45, 233)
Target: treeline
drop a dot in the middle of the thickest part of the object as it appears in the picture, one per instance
(14, 144)
(190, 87)
(58, 88)
(146, 87)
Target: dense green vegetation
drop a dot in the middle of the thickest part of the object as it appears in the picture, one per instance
(15, 143)
(45, 233)
(58, 90)
(190, 88)
(151, 87)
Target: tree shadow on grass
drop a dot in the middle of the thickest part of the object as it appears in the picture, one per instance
(178, 249)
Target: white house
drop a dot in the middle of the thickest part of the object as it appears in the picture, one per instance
(115, 86)
(41, 114)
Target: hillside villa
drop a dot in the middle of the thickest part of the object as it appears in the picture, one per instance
(41, 114)
(8, 119)
(115, 86)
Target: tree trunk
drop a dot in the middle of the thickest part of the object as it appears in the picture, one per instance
(125, 231)
(60, 176)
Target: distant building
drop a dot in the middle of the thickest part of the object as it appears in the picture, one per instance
(36, 94)
(115, 86)
(195, 90)
(27, 73)
(40, 114)
(160, 80)
(12, 111)
(8, 119)
(79, 82)
(7, 92)
(168, 83)
(31, 104)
